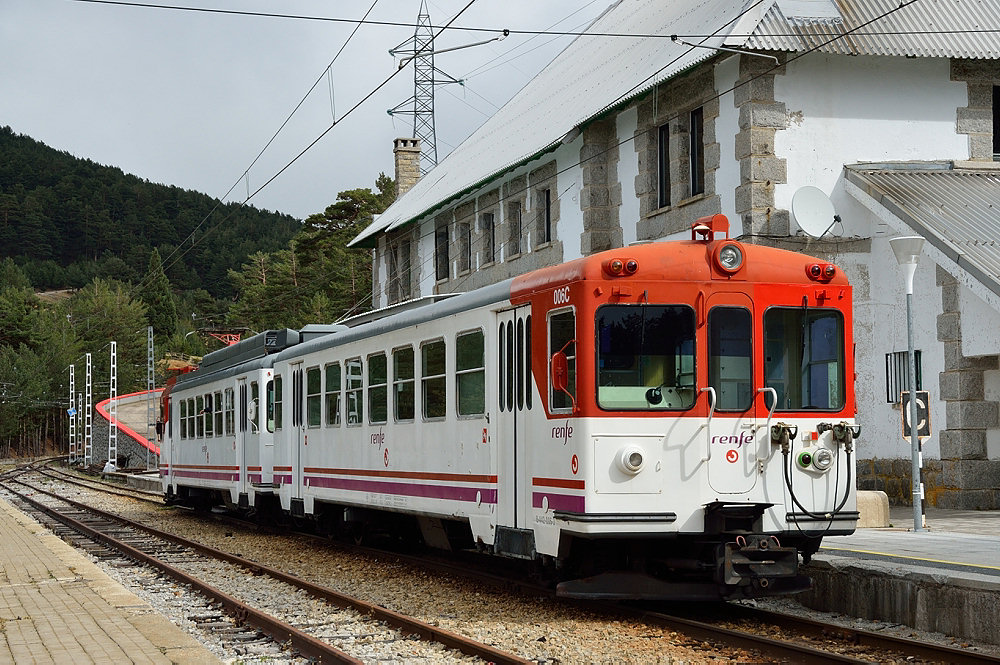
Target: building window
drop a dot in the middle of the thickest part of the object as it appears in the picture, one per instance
(402, 383)
(333, 394)
(354, 396)
(543, 204)
(697, 151)
(314, 398)
(464, 247)
(441, 252)
(399, 271)
(897, 374)
(378, 409)
(514, 229)
(470, 373)
(433, 380)
(487, 228)
(663, 166)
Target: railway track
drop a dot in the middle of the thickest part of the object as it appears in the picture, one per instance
(318, 623)
(773, 636)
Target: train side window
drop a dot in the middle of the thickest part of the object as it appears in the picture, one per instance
(192, 417)
(217, 403)
(470, 373)
(199, 403)
(403, 395)
(509, 368)
(527, 362)
(333, 394)
(269, 390)
(378, 408)
(314, 398)
(562, 337)
(645, 357)
(253, 409)
(804, 358)
(278, 405)
(433, 382)
(183, 417)
(730, 370)
(354, 394)
(230, 410)
(519, 370)
(501, 360)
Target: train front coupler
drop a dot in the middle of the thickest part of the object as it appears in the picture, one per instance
(757, 565)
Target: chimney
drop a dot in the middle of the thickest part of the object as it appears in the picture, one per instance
(407, 153)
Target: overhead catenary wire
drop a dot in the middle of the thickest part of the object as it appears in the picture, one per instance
(513, 31)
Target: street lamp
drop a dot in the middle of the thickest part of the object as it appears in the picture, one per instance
(907, 251)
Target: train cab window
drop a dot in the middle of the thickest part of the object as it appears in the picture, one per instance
(403, 395)
(562, 337)
(333, 394)
(378, 407)
(804, 358)
(470, 373)
(432, 379)
(314, 398)
(183, 419)
(253, 408)
(199, 403)
(229, 403)
(354, 395)
(217, 404)
(645, 357)
(729, 358)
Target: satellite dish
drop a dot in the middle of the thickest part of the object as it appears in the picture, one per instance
(813, 211)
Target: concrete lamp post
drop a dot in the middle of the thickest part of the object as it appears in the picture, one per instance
(907, 251)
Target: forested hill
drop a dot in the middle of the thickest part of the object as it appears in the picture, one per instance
(65, 220)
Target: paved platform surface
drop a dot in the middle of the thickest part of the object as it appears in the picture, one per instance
(57, 607)
(945, 578)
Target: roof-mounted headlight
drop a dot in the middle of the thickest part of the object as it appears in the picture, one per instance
(729, 257)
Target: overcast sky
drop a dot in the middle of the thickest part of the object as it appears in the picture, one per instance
(190, 98)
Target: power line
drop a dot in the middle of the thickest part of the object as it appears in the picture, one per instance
(513, 31)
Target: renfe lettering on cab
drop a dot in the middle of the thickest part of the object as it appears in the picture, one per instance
(731, 439)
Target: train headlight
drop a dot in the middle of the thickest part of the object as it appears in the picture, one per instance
(729, 257)
(822, 459)
(630, 460)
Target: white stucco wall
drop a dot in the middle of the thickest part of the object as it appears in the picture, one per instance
(628, 170)
(880, 328)
(570, 182)
(864, 109)
(727, 126)
(980, 323)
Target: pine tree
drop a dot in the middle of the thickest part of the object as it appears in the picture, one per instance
(161, 312)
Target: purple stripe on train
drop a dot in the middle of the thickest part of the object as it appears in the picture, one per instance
(405, 489)
(567, 502)
(233, 476)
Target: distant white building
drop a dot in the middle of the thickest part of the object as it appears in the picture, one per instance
(682, 109)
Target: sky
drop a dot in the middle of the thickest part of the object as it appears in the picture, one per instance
(191, 99)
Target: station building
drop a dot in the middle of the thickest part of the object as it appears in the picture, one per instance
(669, 111)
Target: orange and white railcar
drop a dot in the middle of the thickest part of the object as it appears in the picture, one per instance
(668, 420)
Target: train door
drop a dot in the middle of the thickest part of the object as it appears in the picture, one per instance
(732, 428)
(298, 438)
(513, 402)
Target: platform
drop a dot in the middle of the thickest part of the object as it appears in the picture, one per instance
(944, 579)
(57, 607)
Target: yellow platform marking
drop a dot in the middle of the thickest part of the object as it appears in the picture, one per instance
(911, 558)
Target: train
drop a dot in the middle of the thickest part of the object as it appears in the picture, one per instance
(669, 420)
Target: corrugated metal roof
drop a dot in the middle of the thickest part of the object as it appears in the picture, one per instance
(957, 210)
(591, 75)
(595, 73)
(931, 28)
